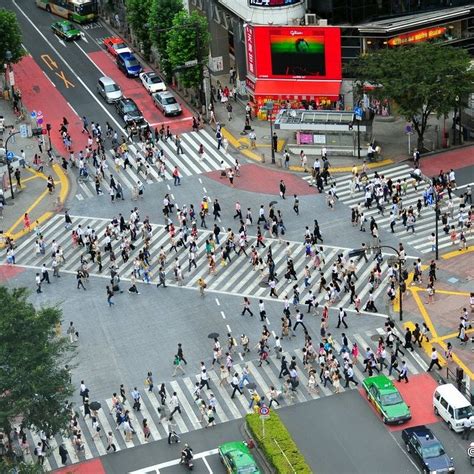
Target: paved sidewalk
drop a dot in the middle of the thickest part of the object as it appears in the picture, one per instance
(389, 133)
(455, 282)
(33, 196)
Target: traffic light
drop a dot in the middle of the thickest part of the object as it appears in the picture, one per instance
(36, 132)
(48, 127)
(403, 286)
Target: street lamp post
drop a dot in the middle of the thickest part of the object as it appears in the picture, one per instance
(8, 163)
(400, 278)
(436, 196)
(269, 109)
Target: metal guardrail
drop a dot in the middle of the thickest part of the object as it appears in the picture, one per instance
(452, 376)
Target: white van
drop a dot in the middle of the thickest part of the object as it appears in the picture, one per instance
(451, 406)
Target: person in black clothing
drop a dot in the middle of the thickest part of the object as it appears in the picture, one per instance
(317, 233)
(282, 189)
(283, 368)
(180, 353)
(417, 334)
(408, 339)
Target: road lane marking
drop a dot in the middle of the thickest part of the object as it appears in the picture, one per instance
(66, 81)
(174, 462)
(69, 67)
(50, 62)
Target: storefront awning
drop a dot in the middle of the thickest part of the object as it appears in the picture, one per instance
(297, 90)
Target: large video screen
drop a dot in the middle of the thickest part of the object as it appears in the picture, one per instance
(297, 55)
(294, 52)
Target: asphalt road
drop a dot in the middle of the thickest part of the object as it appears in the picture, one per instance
(69, 65)
(160, 452)
(341, 434)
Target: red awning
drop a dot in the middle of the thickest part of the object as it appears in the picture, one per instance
(294, 89)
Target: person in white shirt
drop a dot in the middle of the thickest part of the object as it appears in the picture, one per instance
(434, 360)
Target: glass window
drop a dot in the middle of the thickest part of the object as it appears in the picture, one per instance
(391, 399)
(464, 412)
(444, 403)
(432, 451)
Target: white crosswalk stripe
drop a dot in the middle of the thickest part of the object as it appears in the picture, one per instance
(425, 223)
(236, 277)
(227, 409)
(189, 163)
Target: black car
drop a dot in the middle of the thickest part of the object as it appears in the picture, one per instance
(129, 111)
(427, 450)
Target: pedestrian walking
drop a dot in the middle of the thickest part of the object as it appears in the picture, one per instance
(403, 375)
(110, 295)
(235, 385)
(175, 405)
(434, 360)
(341, 318)
(296, 205)
(246, 307)
(38, 283)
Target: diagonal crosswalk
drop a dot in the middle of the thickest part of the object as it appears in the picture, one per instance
(189, 163)
(425, 224)
(237, 277)
(227, 409)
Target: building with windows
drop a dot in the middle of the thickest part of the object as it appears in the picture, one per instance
(293, 52)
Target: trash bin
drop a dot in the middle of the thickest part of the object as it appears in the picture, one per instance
(262, 157)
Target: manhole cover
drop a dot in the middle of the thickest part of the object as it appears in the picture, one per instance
(243, 147)
(375, 337)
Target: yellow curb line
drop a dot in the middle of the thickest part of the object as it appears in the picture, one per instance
(426, 346)
(425, 314)
(48, 214)
(10, 232)
(347, 169)
(236, 143)
(456, 253)
(448, 292)
(31, 178)
(459, 362)
(453, 335)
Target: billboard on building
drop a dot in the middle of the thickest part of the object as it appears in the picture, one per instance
(285, 52)
(273, 3)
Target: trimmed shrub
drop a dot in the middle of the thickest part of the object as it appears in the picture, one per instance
(275, 430)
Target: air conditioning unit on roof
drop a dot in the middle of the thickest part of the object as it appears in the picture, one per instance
(322, 22)
(310, 19)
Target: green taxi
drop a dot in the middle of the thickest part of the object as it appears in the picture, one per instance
(66, 30)
(386, 398)
(237, 458)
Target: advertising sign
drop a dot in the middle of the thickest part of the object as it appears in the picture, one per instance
(286, 52)
(250, 44)
(273, 3)
(417, 36)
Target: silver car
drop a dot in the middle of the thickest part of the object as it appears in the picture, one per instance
(166, 102)
(109, 90)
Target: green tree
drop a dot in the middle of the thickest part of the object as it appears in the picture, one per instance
(161, 17)
(420, 80)
(34, 382)
(188, 40)
(138, 12)
(10, 38)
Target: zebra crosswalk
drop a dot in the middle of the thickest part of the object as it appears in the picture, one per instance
(425, 223)
(237, 277)
(263, 379)
(189, 163)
